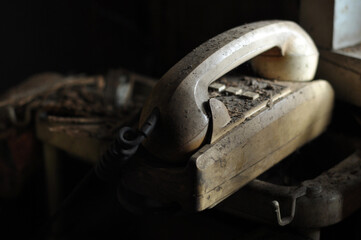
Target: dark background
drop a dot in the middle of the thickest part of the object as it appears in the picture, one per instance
(146, 37)
(94, 36)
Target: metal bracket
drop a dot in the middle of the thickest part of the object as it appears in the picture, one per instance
(283, 221)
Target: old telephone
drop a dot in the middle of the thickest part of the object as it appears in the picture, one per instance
(213, 135)
(205, 135)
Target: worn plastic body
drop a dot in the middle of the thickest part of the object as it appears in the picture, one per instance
(182, 93)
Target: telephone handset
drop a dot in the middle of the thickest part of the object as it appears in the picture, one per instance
(208, 144)
(182, 92)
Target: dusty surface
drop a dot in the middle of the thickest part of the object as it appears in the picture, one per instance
(76, 105)
(237, 105)
(353, 51)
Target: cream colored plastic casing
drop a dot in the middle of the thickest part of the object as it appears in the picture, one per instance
(182, 92)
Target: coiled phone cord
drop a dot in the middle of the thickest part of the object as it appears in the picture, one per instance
(108, 169)
(123, 148)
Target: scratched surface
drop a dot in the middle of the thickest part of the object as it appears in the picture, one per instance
(237, 105)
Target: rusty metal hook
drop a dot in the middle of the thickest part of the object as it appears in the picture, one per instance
(285, 220)
(282, 221)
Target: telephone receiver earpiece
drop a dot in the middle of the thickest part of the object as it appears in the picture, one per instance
(287, 53)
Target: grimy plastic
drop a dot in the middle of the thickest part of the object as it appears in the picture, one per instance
(181, 94)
